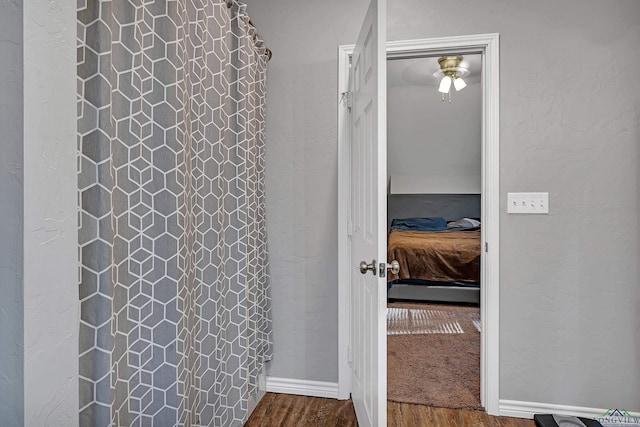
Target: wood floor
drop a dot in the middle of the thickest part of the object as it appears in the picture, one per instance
(285, 410)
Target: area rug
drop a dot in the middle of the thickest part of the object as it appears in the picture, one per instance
(433, 355)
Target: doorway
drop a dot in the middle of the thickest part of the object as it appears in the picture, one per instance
(487, 46)
(434, 222)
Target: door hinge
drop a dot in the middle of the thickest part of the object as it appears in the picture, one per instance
(486, 246)
(347, 98)
(349, 228)
(349, 355)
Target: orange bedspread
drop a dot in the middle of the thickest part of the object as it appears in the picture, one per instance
(448, 255)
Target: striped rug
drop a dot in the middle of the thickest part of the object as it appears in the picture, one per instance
(409, 321)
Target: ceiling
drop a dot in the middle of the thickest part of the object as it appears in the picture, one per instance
(419, 71)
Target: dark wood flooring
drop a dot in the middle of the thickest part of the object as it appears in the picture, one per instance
(285, 410)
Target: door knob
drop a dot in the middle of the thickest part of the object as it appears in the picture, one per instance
(394, 267)
(364, 267)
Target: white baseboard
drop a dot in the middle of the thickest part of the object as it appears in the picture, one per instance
(520, 409)
(302, 387)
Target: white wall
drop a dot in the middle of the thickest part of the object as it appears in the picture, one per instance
(570, 324)
(11, 187)
(51, 305)
(439, 141)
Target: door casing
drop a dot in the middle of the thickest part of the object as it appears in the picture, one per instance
(488, 46)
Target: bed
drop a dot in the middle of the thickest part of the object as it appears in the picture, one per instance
(438, 261)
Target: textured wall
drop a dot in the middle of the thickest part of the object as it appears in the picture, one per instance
(11, 306)
(50, 215)
(428, 137)
(302, 178)
(569, 281)
(569, 303)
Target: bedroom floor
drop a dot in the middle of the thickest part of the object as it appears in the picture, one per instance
(438, 344)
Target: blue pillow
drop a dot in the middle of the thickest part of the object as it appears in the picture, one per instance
(419, 224)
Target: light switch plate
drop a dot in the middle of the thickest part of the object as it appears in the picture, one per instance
(528, 203)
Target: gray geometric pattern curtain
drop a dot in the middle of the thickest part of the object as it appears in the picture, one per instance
(174, 289)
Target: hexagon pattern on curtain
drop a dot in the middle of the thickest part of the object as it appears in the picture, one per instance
(174, 289)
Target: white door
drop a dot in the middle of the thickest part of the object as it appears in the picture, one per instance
(368, 338)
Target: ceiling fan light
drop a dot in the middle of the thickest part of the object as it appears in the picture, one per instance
(445, 84)
(459, 83)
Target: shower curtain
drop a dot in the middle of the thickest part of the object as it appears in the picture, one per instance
(174, 290)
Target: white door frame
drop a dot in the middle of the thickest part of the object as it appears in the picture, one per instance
(488, 45)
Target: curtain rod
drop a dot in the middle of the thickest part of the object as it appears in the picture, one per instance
(267, 51)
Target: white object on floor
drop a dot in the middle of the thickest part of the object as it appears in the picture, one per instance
(401, 321)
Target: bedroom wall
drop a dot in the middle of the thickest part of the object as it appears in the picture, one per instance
(11, 225)
(437, 141)
(570, 324)
(431, 138)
